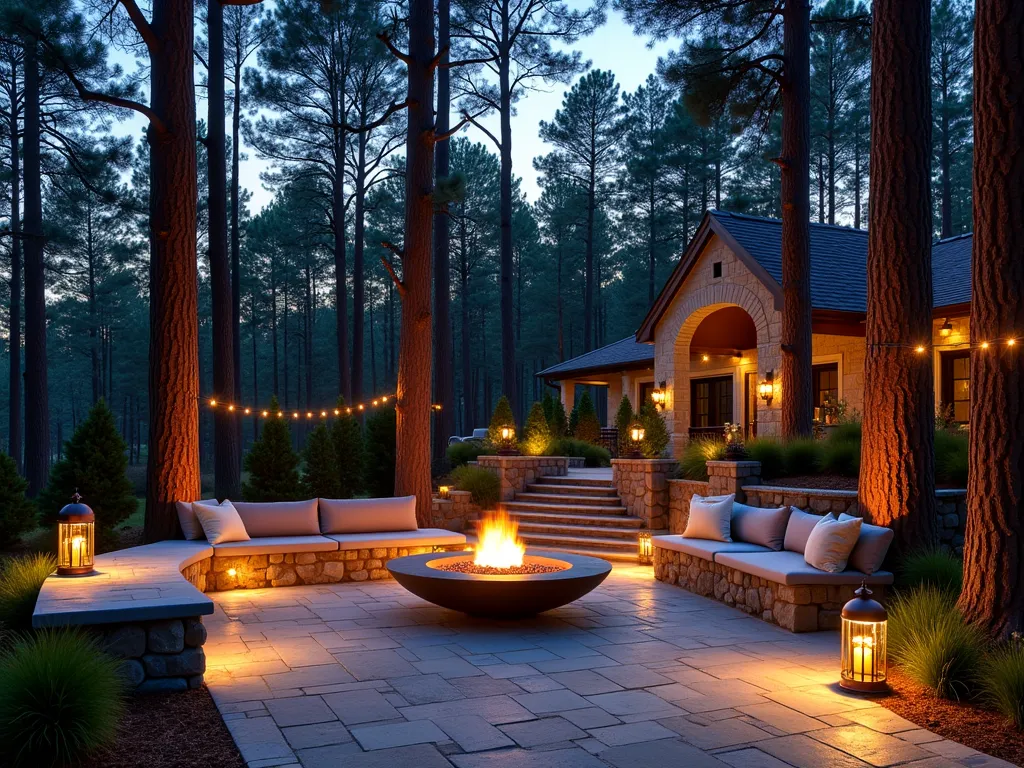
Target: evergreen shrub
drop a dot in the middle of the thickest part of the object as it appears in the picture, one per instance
(17, 513)
(379, 474)
(768, 451)
(951, 457)
(623, 419)
(656, 436)
(536, 434)
(272, 464)
(482, 483)
(350, 453)
(587, 427)
(502, 417)
(463, 453)
(320, 473)
(592, 455)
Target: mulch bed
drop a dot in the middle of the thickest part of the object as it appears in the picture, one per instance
(968, 723)
(170, 730)
(822, 482)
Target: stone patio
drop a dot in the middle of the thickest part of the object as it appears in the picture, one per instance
(636, 674)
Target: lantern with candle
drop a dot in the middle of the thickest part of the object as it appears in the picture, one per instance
(444, 491)
(76, 533)
(636, 440)
(645, 548)
(864, 639)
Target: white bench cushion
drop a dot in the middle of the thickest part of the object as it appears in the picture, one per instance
(706, 549)
(424, 537)
(791, 569)
(275, 545)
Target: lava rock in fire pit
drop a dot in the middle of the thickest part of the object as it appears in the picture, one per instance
(468, 566)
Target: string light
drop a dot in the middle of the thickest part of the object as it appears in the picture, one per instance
(984, 345)
(311, 414)
(919, 349)
(1010, 342)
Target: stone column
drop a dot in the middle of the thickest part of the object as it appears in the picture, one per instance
(642, 485)
(614, 397)
(516, 472)
(725, 477)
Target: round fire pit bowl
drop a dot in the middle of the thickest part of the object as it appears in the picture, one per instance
(499, 596)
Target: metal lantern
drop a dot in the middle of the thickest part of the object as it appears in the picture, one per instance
(766, 388)
(864, 630)
(644, 548)
(507, 435)
(659, 396)
(76, 534)
(443, 491)
(636, 439)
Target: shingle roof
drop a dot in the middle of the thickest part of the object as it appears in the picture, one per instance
(839, 258)
(626, 353)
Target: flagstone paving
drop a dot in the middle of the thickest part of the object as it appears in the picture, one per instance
(635, 674)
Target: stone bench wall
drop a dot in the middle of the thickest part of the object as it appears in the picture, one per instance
(951, 507)
(516, 472)
(797, 608)
(456, 513)
(158, 656)
(286, 570)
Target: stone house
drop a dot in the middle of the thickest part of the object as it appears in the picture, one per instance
(710, 344)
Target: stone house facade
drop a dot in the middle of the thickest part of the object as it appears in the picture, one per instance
(712, 339)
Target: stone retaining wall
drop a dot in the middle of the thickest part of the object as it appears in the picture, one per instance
(516, 472)
(642, 485)
(285, 570)
(679, 494)
(798, 609)
(951, 507)
(456, 513)
(158, 656)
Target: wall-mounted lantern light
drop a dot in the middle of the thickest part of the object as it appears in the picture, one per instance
(946, 330)
(659, 396)
(766, 388)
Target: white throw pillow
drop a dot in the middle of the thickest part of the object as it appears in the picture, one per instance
(710, 518)
(220, 522)
(831, 542)
(187, 518)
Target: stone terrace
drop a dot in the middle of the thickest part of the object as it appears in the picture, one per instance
(636, 674)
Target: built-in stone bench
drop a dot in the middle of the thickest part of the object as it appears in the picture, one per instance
(778, 587)
(146, 603)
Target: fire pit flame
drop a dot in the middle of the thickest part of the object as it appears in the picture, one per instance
(499, 545)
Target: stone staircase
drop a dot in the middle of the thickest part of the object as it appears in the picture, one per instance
(577, 514)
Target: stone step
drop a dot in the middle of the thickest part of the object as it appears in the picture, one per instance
(572, 490)
(565, 542)
(613, 521)
(527, 506)
(565, 498)
(593, 482)
(527, 528)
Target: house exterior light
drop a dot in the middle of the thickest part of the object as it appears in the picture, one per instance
(76, 535)
(636, 439)
(946, 330)
(766, 388)
(444, 491)
(644, 548)
(659, 396)
(864, 644)
(507, 440)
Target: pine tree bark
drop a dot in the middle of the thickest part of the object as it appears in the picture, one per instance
(37, 412)
(508, 344)
(444, 374)
(14, 324)
(172, 472)
(994, 542)
(412, 441)
(359, 272)
(797, 403)
(236, 240)
(226, 454)
(897, 476)
(338, 219)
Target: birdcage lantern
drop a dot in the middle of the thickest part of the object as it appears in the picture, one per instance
(76, 537)
(864, 623)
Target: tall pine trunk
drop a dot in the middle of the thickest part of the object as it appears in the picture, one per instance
(994, 542)
(236, 238)
(468, 399)
(226, 461)
(14, 325)
(897, 476)
(172, 472)
(412, 441)
(338, 219)
(37, 413)
(588, 269)
(508, 344)
(444, 374)
(797, 403)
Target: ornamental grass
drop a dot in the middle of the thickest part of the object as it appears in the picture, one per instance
(21, 578)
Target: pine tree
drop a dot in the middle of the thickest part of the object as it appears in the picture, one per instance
(655, 432)
(349, 452)
(623, 418)
(574, 419)
(380, 452)
(17, 514)
(502, 417)
(558, 422)
(272, 465)
(587, 425)
(320, 475)
(94, 464)
(537, 433)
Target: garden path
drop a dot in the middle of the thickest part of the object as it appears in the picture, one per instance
(636, 674)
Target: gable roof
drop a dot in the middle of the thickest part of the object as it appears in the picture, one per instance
(839, 258)
(626, 353)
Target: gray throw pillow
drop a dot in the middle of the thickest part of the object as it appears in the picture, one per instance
(872, 546)
(190, 526)
(831, 542)
(368, 515)
(798, 529)
(756, 525)
(710, 518)
(279, 518)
